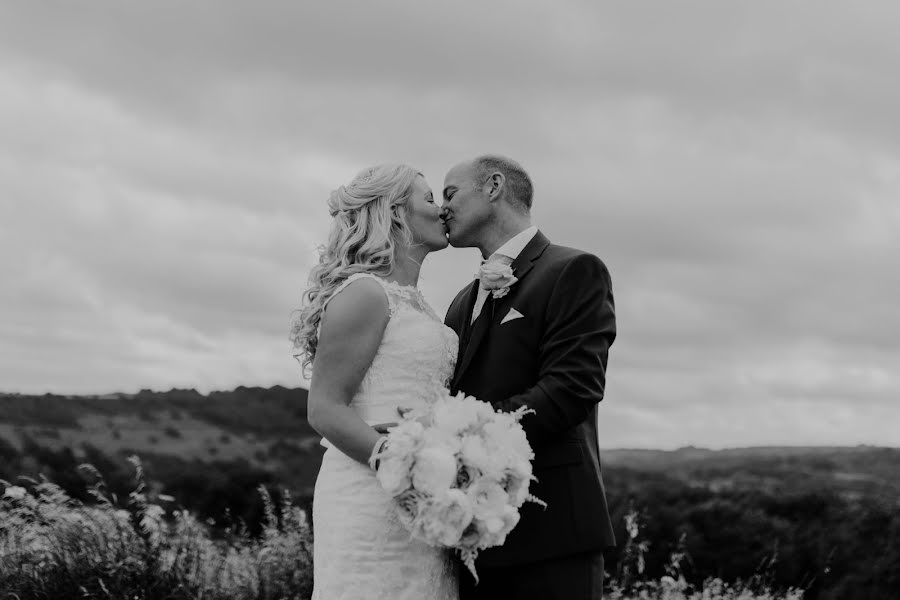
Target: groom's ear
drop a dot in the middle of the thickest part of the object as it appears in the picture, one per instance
(495, 184)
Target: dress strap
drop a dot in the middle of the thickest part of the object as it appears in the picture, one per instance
(392, 303)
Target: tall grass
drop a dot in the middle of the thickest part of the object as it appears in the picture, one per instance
(55, 547)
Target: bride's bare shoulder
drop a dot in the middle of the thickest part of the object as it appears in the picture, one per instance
(357, 305)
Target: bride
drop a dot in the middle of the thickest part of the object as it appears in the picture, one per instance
(378, 346)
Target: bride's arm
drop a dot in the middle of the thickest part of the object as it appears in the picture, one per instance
(349, 336)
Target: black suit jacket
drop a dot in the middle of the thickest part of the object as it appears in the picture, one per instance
(553, 360)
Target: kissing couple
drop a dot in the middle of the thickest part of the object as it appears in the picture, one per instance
(532, 330)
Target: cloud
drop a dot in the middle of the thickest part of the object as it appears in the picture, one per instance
(164, 170)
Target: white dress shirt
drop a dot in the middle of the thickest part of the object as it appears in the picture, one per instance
(506, 254)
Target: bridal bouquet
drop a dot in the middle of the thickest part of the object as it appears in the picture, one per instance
(459, 481)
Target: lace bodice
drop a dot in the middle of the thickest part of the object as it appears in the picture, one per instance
(417, 353)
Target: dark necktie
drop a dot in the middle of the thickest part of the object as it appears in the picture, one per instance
(479, 327)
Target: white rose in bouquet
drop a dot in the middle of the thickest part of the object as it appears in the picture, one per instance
(508, 441)
(446, 517)
(436, 437)
(397, 459)
(406, 438)
(455, 417)
(434, 470)
(408, 506)
(394, 476)
(488, 502)
(475, 453)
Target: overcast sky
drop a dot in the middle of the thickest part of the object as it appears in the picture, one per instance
(164, 168)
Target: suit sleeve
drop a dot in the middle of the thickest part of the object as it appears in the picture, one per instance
(580, 326)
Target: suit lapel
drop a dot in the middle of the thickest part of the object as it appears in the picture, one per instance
(520, 266)
(530, 253)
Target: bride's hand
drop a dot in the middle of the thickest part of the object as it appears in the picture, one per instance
(424, 419)
(402, 411)
(383, 427)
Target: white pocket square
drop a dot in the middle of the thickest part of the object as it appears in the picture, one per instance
(512, 315)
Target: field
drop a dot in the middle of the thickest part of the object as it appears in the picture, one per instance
(826, 520)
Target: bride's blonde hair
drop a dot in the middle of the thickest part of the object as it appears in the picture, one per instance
(369, 224)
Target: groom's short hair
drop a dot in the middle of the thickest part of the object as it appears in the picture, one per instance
(516, 178)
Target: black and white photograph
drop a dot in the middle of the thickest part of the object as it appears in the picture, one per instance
(449, 300)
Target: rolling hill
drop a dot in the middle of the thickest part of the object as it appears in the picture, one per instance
(829, 515)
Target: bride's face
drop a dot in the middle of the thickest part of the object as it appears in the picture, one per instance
(424, 217)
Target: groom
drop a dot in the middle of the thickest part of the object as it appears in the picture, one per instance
(538, 336)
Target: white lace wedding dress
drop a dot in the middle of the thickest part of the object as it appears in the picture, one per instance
(361, 552)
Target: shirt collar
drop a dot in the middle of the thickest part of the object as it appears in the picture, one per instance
(514, 246)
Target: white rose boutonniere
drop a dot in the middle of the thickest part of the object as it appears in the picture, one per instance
(496, 277)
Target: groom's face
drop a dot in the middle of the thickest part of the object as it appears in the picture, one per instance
(467, 208)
